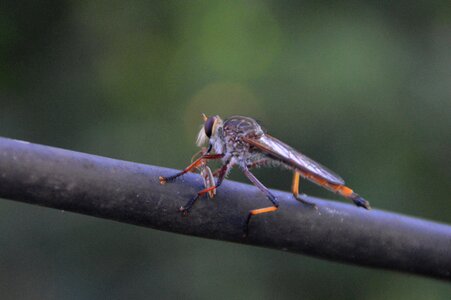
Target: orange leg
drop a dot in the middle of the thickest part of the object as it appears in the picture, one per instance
(258, 211)
(295, 189)
(223, 171)
(195, 157)
(198, 162)
(209, 180)
(204, 171)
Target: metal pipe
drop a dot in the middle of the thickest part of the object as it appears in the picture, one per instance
(131, 193)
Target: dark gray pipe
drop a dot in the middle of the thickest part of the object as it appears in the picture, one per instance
(131, 193)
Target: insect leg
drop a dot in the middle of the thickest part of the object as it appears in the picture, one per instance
(216, 172)
(205, 172)
(268, 194)
(209, 180)
(195, 157)
(198, 162)
(295, 189)
(223, 171)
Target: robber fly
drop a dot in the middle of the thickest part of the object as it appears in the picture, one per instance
(241, 141)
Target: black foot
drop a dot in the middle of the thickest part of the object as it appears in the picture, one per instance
(245, 231)
(302, 198)
(246, 226)
(359, 201)
(164, 180)
(184, 211)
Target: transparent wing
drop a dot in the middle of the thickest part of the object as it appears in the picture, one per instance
(286, 154)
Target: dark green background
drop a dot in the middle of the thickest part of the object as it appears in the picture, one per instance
(363, 87)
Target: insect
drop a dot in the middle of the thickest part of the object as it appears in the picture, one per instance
(241, 141)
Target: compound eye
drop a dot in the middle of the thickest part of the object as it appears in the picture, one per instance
(208, 126)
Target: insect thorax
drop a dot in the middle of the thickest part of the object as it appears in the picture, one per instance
(234, 129)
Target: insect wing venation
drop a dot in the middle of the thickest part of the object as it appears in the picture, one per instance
(281, 151)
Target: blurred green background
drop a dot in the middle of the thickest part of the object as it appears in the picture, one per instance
(363, 87)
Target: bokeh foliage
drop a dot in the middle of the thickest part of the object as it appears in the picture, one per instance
(363, 87)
